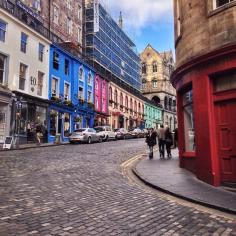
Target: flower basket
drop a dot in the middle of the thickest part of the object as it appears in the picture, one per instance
(68, 103)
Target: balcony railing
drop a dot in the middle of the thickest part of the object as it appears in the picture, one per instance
(29, 19)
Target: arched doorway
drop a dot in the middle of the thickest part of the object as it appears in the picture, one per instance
(156, 100)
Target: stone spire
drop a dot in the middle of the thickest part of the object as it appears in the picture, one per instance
(121, 21)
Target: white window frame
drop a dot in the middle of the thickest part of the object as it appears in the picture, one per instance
(58, 85)
(69, 94)
(81, 97)
(91, 100)
(42, 83)
(69, 25)
(90, 74)
(4, 68)
(215, 3)
(80, 12)
(56, 16)
(81, 67)
(26, 77)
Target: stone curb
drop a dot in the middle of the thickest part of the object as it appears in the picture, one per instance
(220, 208)
(33, 147)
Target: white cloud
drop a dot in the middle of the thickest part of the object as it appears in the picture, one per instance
(137, 14)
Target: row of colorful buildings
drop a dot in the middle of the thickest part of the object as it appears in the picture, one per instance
(47, 81)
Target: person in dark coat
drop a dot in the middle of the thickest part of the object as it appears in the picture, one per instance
(176, 137)
(168, 141)
(151, 140)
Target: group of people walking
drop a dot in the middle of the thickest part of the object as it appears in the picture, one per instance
(165, 141)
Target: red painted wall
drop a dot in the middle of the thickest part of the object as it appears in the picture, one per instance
(204, 162)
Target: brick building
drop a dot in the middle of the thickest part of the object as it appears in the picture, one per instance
(205, 79)
(64, 18)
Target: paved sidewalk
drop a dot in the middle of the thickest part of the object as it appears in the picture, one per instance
(166, 176)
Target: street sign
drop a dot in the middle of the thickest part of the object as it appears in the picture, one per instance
(8, 142)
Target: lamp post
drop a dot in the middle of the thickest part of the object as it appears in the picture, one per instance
(18, 117)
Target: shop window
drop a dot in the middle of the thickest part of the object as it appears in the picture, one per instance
(53, 122)
(2, 68)
(81, 93)
(55, 92)
(23, 45)
(224, 82)
(22, 77)
(40, 84)
(2, 123)
(67, 67)
(56, 15)
(66, 125)
(41, 52)
(189, 132)
(3, 27)
(55, 60)
(66, 92)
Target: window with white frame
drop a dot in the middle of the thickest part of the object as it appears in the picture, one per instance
(56, 15)
(55, 60)
(89, 96)
(81, 74)
(3, 28)
(66, 92)
(90, 78)
(37, 5)
(69, 25)
(54, 89)
(219, 3)
(2, 69)
(68, 4)
(22, 76)
(154, 83)
(23, 45)
(41, 52)
(80, 12)
(40, 83)
(81, 93)
(79, 35)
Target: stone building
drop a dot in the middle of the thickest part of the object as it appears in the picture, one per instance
(205, 80)
(63, 18)
(156, 86)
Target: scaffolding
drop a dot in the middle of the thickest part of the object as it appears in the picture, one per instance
(111, 48)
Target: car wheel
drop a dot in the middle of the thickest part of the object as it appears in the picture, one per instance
(107, 138)
(89, 140)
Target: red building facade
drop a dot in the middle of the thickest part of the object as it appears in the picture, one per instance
(205, 79)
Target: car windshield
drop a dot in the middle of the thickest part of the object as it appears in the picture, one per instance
(117, 130)
(80, 130)
(99, 129)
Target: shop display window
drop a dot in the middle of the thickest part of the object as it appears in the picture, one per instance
(66, 125)
(224, 82)
(53, 122)
(189, 132)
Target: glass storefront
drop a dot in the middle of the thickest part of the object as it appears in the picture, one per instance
(53, 122)
(189, 131)
(66, 125)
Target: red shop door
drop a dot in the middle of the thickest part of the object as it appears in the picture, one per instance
(226, 137)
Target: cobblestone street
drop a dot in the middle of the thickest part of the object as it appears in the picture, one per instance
(80, 190)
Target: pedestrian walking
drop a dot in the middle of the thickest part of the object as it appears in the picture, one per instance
(151, 140)
(176, 137)
(168, 141)
(38, 133)
(161, 141)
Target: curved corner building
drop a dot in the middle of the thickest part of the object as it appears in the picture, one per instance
(205, 79)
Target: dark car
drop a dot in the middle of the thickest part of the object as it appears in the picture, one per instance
(122, 133)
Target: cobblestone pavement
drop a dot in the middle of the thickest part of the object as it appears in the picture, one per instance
(80, 190)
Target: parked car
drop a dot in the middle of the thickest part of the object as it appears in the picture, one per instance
(136, 133)
(86, 135)
(122, 133)
(105, 132)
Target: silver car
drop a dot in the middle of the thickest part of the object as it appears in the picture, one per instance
(87, 135)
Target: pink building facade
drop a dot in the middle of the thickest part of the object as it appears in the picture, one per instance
(101, 101)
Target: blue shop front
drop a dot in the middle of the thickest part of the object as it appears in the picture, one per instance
(71, 94)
